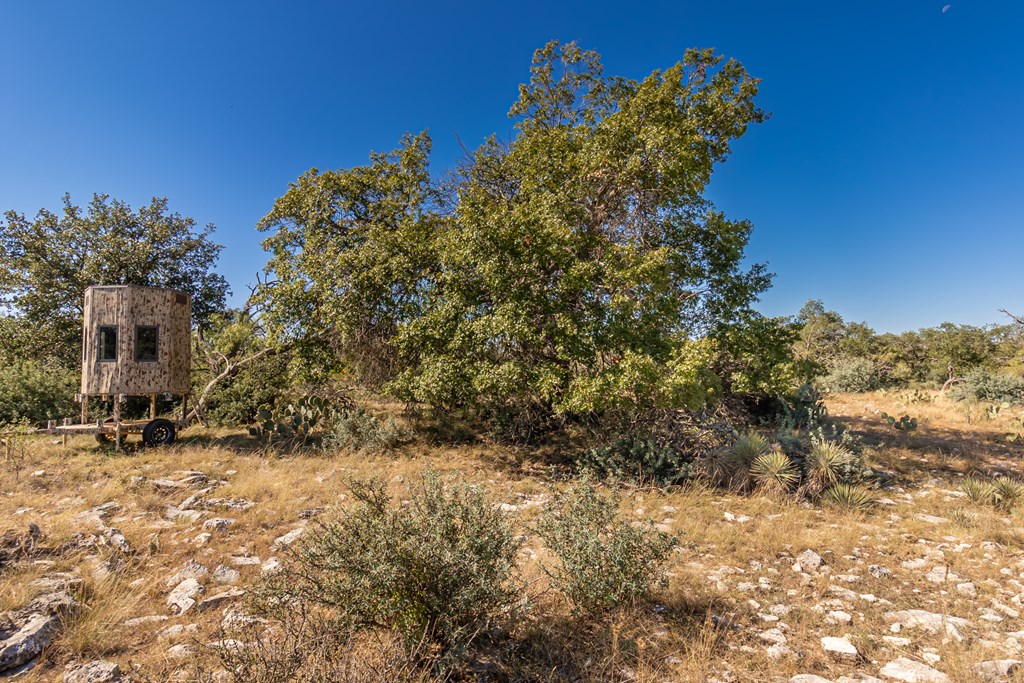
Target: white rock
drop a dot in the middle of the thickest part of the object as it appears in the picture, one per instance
(189, 570)
(218, 523)
(182, 598)
(927, 621)
(289, 538)
(909, 671)
(180, 651)
(224, 574)
(773, 635)
(839, 617)
(840, 648)
(94, 672)
(809, 560)
(998, 669)
(966, 588)
(808, 678)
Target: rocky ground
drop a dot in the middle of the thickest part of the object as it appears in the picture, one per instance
(135, 566)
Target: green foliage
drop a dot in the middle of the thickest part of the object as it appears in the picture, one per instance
(982, 385)
(774, 472)
(440, 569)
(1007, 493)
(905, 424)
(851, 497)
(802, 409)
(758, 355)
(733, 467)
(295, 422)
(827, 463)
(849, 375)
(573, 270)
(51, 259)
(640, 459)
(37, 392)
(977, 491)
(606, 562)
(359, 431)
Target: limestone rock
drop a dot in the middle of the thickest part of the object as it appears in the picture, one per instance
(218, 523)
(225, 574)
(182, 598)
(289, 538)
(97, 671)
(998, 669)
(909, 671)
(189, 570)
(840, 648)
(809, 561)
(28, 640)
(808, 678)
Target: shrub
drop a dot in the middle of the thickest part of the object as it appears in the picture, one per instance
(849, 375)
(827, 463)
(605, 562)
(732, 466)
(1007, 493)
(977, 491)
(640, 459)
(439, 569)
(34, 391)
(774, 472)
(849, 497)
(357, 430)
(981, 385)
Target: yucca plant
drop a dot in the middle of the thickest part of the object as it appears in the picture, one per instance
(774, 472)
(740, 457)
(977, 491)
(1007, 493)
(826, 462)
(849, 497)
(965, 519)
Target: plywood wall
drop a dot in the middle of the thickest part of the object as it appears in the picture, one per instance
(126, 307)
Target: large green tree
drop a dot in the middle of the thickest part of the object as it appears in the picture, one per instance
(577, 266)
(49, 260)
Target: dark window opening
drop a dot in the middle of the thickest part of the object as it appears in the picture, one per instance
(146, 339)
(108, 343)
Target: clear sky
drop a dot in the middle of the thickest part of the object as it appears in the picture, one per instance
(889, 181)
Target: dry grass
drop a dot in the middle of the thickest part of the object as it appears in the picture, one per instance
(733, 568)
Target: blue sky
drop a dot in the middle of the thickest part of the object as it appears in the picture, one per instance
(889, 181)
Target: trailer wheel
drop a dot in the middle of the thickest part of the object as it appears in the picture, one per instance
(103, 437)
(158, 432)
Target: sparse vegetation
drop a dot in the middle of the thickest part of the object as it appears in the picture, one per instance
(438, 570)
(605, 563)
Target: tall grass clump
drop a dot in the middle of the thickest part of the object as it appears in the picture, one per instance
(605, 561)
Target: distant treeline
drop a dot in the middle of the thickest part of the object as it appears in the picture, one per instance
(982, 363)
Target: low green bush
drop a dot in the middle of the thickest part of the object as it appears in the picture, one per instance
(37, 392)
(639, 460)
(981, 385)
(606, 561)
(439, 569)
(849, 375)
(359, 431)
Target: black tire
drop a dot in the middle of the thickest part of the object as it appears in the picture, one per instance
(159, 432)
